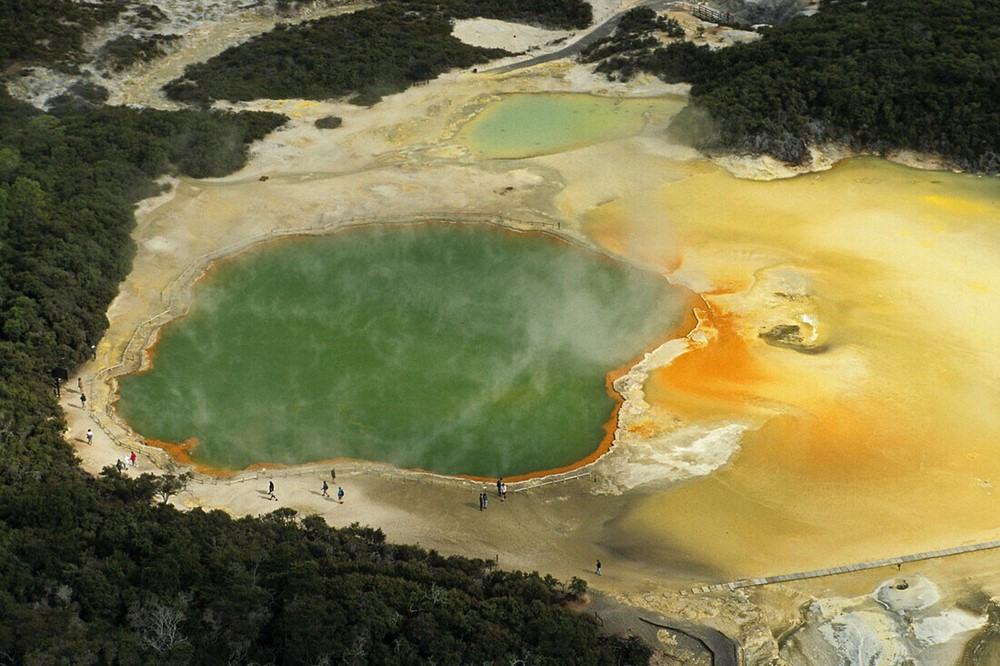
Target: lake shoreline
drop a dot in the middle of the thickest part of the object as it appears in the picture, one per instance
(185, 452)
(398, 160)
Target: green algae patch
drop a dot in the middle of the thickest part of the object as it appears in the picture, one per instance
(452, 348)
(524, 125)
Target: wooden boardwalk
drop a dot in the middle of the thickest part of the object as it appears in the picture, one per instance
(874, 564)
(706, 13)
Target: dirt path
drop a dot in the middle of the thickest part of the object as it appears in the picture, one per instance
(594, 34)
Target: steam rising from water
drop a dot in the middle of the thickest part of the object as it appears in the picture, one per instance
(457, 349)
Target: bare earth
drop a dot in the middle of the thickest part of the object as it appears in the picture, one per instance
(722, 466)
(392, 162)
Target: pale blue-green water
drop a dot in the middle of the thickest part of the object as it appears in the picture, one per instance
(524, 125)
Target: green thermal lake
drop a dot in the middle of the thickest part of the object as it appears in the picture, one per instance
(523, 125)
(458, 349)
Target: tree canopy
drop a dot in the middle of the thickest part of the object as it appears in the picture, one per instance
(365, 54)
(875, 75)
(50, 30)
(104, 570)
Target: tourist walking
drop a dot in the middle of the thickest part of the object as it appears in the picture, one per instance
(131, 459)
(499, 486)
(79, 383)
(333, 473)
(503, 492)
(83, 400)
(599, 568)
(480, 501)
(325, 489)
(120, 465)
(90, 436)
(270, 491)
(340, 494)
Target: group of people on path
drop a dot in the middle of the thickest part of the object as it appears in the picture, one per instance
(340, 492)
(484, 498)
(120, 465)
(83, 396)
(325, 493)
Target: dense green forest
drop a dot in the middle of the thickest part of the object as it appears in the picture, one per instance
(123, 52)
(638, 31)
(366, 54)
(875, 75)
(101, 570)
(49, 30)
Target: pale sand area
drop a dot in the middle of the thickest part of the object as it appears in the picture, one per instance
(521, 38)
(882, 445)
(395, 161)
(515, 37)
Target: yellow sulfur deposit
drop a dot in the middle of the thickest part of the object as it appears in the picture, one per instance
(852, 318)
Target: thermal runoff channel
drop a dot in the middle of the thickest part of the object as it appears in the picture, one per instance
(457, 349)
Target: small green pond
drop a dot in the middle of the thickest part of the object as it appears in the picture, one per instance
(524, 125)
(453, 348)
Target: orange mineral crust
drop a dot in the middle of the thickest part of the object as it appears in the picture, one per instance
(710, 381)
(851, 316)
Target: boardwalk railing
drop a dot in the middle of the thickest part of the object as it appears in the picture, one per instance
(706, 13)
(874, 564)
(547, 481)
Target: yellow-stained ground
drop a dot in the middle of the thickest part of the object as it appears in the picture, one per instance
(882, 441)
